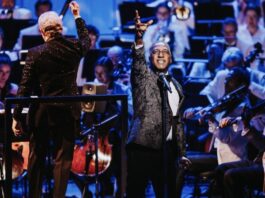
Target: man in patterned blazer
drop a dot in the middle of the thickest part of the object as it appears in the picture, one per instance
(51, 68)
(145, 145)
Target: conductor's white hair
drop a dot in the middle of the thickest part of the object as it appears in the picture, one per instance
(50, 21)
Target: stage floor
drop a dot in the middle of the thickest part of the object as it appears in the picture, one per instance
(74, 192)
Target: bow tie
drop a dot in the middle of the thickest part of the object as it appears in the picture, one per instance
(168, 77)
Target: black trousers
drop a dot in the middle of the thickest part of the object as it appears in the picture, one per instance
(59, 125)
(144, 164)
(235, 176)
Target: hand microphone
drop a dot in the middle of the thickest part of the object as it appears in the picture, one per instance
(162, 77)
(64, 9)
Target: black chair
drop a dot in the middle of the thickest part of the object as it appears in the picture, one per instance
(202, 168)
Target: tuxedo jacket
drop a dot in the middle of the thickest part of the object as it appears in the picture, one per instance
(51, 69)
(146, 129)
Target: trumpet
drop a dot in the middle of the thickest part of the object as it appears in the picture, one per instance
(181, 11)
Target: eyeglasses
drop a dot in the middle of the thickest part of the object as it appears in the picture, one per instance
(156, 52)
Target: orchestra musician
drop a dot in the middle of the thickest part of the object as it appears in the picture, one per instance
(7, 89)
(167, 31)
(233, 177)
(230, 146)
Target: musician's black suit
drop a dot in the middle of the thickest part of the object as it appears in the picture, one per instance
(51, 68)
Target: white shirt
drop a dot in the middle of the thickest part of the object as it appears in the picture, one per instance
(216, 88)
(245, 35)
(173, 100)
(259, 36)
(231, 146)
(199, 70)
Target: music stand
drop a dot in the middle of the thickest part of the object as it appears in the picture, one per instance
(94, 132)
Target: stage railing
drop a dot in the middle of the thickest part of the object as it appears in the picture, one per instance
(8, 135)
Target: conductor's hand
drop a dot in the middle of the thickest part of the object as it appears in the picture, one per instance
(140, 27)
(17, 128)
(184, 163)
(75, 9)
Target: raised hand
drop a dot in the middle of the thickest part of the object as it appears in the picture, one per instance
(140, 27)
(75, 8)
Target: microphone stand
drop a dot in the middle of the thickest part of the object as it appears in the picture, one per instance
(164, 137)
(94, 131)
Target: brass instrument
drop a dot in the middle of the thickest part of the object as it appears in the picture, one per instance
(182, 12)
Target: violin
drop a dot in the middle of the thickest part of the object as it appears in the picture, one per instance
(222, 104)
(253, 54)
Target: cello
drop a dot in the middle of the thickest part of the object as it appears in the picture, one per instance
(84, 159)
(92, 155)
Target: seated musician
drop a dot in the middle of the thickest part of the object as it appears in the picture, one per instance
(233, 57)
(208, 70)
(40, 6)
(7, 89)
(104, 74)
(235, 176)
(230, 146)
(121, 70)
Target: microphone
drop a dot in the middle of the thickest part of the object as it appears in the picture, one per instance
(162, 77)
(64, 9)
